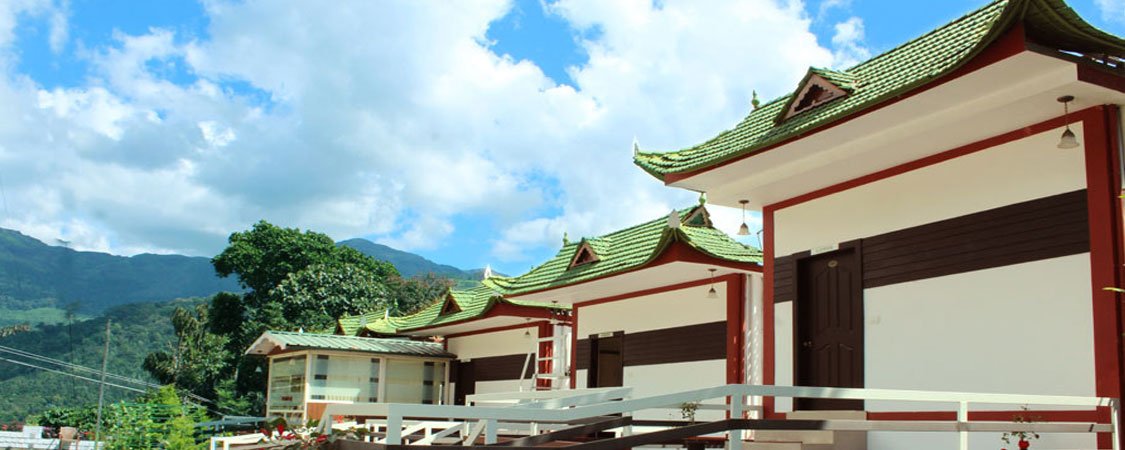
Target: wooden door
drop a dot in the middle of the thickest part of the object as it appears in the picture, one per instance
(607, 360)
(829, 326)
(465, 381)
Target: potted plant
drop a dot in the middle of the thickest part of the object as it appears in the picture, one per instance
(1023, 438)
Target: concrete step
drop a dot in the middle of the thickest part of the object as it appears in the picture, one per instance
(815, 439)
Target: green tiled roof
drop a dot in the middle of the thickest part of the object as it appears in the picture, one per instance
(627, 249)
(290, 340)
(891, 74)
(472, 303)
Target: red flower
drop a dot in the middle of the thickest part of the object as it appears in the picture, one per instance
(280, 428)
(321, 438)
(1024, 444)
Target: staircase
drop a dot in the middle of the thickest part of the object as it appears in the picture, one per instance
(812, 439)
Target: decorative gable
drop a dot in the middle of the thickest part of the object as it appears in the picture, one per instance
(819, 86)
(584, 255)
(699, 217)
(450, 306)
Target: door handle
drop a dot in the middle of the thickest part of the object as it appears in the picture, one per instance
(807, 344)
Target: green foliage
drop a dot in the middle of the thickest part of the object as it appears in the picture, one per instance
(83, 418)
(315, 296)
(407, 295)
(197, 359)
(160, 420)
(294, 280)
(136, 331)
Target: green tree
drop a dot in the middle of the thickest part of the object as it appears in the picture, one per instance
(294, 279)
(197, 360)
(316, 296)
(407, 295)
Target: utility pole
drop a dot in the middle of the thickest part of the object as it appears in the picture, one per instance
(101, 389)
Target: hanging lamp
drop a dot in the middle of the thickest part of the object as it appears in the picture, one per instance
(744, 230)
(1068, 139)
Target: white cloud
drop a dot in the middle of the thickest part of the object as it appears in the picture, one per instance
(848, 43)
(387, 118)
(1113, 10)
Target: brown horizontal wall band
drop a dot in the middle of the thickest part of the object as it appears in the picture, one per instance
(700, 342)
(498, 368)
(1034, 230)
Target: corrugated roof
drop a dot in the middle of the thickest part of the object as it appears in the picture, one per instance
(291, 340)
(891, 74)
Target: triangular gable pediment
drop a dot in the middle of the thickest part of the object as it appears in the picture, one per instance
(584, 255)
(813, 91)
(699, 217)
(449, 306)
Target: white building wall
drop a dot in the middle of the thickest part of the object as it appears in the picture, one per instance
(1024, 328)
(1014, 172)
(670, 309)
(681, 307)
(496, 343)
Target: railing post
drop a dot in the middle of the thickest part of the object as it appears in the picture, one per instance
(734, 437)
(1115, 421)
(394, 429)
(963, 424)
(489, 431)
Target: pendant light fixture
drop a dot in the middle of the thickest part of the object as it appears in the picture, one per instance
(744, 230)
(1068, 139)
(712, 293)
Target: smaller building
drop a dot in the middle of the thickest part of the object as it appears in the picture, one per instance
(308, 371)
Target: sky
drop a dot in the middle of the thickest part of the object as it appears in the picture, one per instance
(470, 132)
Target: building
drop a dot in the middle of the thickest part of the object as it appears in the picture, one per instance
(308, 371)
(659, 306)
(943, 216)
(501, 345)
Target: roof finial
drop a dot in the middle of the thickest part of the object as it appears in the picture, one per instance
(702, 198)
(636, 146)
(487, 271)
(566, 239)
(754, 100)
(674, 220)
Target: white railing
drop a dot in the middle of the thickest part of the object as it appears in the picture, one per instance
(575, 408)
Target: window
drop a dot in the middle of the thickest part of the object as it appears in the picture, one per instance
(342, 378)
(584, 255)
(287, 383)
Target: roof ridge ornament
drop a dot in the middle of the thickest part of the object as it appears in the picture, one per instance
(487, 272)
(566, 239)
(636, 146)
(754, 100)
(674, 220)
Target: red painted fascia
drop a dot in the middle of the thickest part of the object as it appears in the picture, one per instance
(1010, 44)
(675, 252)
(947, 155)
(517, 326)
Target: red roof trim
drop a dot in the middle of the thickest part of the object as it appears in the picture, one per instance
(1011, 43)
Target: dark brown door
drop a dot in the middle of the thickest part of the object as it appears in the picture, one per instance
(829, 328)
(466, 382)
(607, 360)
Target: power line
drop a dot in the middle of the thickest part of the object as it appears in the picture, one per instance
(91, 370)
(70, 374)
(73, 366)
(80, 377)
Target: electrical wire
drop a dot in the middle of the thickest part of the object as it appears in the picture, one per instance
(198, 398)
(70, 374)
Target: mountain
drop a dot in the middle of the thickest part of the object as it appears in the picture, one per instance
(135, 330)
(37, 275)
(409, 264)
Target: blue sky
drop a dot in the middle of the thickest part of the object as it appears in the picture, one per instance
(472, 133)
